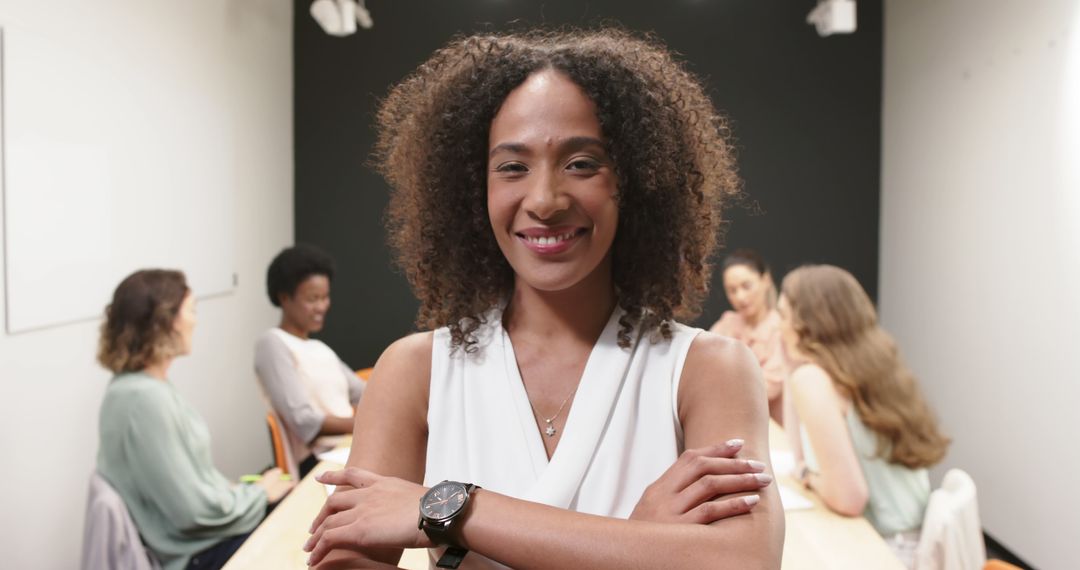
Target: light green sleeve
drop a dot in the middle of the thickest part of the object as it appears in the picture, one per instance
(168, 449)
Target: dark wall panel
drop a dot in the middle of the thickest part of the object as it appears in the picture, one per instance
(806, 114)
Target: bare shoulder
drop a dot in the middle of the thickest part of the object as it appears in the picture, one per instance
(397, 393)
(390, 435)
(412, 346)
(719, 361)
(405, 364)
(813, 388)
(811, 377)
(722, 395)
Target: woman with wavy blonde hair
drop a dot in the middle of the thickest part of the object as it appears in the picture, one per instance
(868, 435)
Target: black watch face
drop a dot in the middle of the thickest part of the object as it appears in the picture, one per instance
(443, 501)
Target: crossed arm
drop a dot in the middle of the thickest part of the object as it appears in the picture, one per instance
(684, 519)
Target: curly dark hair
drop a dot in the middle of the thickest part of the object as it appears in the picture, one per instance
(292, 266)
(673, 162)
(138, 329)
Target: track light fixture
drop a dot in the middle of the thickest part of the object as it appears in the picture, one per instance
(833, 17)
(340, 17)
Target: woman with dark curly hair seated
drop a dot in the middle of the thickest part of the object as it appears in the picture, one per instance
(155, 448)
(311, 389)
(556, 197)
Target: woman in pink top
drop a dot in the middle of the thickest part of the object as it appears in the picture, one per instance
(754, 320)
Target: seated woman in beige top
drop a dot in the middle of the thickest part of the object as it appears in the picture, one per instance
(311, 389)
(754, 320)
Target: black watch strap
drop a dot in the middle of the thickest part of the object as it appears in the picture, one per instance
(452, 557)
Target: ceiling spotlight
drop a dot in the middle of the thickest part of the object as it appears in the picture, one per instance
(340, 17)
(833, 17)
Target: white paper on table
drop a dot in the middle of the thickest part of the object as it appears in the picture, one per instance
(329, 489)
(339, 455)
(783, 462)
(793, 501)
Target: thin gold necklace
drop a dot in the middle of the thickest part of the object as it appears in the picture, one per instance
(550, 430)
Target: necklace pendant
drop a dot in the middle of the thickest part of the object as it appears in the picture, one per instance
(550, 430)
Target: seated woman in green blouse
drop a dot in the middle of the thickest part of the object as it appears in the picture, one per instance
(155, 448)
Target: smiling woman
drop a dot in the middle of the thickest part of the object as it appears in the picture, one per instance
(556, 197)
(310, 388)
(551, 186)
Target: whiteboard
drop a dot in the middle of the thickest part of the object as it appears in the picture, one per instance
(112, 161)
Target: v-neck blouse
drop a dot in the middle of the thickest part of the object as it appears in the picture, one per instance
(621, 434)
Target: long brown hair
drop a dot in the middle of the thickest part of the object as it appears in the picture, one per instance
(838, 329)
(139, 323)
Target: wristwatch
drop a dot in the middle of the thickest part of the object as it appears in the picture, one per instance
(439, 508)
(804, 476)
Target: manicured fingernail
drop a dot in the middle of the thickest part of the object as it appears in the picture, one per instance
(734, 442)
(756, 465)
(751, 500)
(763, 478)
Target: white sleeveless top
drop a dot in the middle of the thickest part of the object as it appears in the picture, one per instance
(621, 434)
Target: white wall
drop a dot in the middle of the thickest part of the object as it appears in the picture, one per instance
(50, 386)
(980, 250)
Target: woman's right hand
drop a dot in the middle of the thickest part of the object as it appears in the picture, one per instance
(376, 513)
(276, 488)
(694, 488)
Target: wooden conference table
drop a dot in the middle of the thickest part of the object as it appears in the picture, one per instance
(816, 538)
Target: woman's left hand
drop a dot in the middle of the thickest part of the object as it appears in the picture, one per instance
(378, 512)
(699, 487)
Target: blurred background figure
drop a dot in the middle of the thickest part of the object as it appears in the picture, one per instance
(867, 434)
(310, 388)
(155, 447)
(753, 320)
